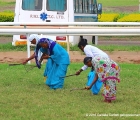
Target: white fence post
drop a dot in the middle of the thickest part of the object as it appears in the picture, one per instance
(68, 44)
(28, 48)
(96, 40)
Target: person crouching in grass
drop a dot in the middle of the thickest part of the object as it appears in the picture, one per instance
(108, 72)
(57, 62)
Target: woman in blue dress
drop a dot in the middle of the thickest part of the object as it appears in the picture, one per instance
(57, 61)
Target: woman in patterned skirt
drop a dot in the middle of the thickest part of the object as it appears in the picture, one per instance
(108, 72)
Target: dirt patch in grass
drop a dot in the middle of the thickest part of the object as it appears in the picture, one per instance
(75, 56)
(7, 8)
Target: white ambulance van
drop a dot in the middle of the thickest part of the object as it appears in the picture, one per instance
(54, 11)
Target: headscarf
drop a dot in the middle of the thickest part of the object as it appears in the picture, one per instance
(50, 43)
(34, 36)
(46, 40)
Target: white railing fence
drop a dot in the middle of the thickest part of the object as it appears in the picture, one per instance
(71, 29)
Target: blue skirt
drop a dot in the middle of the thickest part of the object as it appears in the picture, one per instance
(98, 84)
(56, 67)
(54, 73)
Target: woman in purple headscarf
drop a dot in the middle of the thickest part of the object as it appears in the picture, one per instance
(57, 60)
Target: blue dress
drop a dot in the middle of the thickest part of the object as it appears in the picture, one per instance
(98, 84)
(56, 66)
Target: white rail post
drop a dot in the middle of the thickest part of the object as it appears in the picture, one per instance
(68, 46)
(28, 48)
(96, 40)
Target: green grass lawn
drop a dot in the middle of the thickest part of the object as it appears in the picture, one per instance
(24, 96)
(7, 2)
(117, 3)
(9, 47)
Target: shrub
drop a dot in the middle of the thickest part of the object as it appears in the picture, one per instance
(111, 17)
(6, 17)
(130, 18)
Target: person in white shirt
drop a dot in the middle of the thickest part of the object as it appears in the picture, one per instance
(91, 51)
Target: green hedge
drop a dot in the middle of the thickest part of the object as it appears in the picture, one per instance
(6, 17)
(114, 17)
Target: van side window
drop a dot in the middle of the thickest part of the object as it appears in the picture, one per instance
(85, 6)
(32, 5)
(56, 5)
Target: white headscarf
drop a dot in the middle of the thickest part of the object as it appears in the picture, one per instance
(34, 36)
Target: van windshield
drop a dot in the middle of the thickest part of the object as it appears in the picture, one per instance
(56, 5)
(32, 5)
